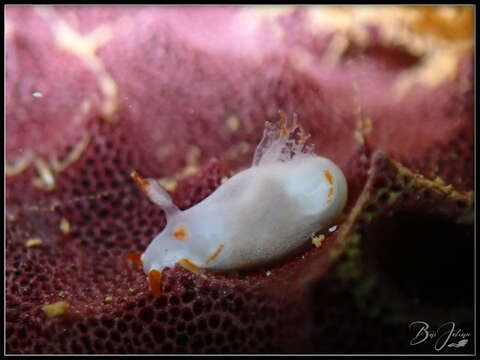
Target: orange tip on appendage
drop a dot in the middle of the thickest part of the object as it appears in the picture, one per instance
(155, 281)
(135, 258)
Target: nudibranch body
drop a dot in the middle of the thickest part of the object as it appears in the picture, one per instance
(257, 216)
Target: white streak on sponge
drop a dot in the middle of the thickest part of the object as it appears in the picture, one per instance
(258, 216)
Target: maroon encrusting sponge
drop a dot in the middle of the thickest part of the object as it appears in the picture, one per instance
(182, 94)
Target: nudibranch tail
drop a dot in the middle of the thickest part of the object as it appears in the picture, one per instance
(281, 142)
(156, 193)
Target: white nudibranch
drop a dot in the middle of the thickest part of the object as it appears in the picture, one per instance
(259, 215)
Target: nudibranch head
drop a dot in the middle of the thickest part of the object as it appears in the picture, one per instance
(257, 216)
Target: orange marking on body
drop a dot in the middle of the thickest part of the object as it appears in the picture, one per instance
(155, 281)
(331, 192)
(181, 234)
(211, 258)
(284, 131)
(141, 182)
(136, 258)
(329, 177)
(187, 264)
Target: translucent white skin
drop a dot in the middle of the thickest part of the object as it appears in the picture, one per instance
(258, 216)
